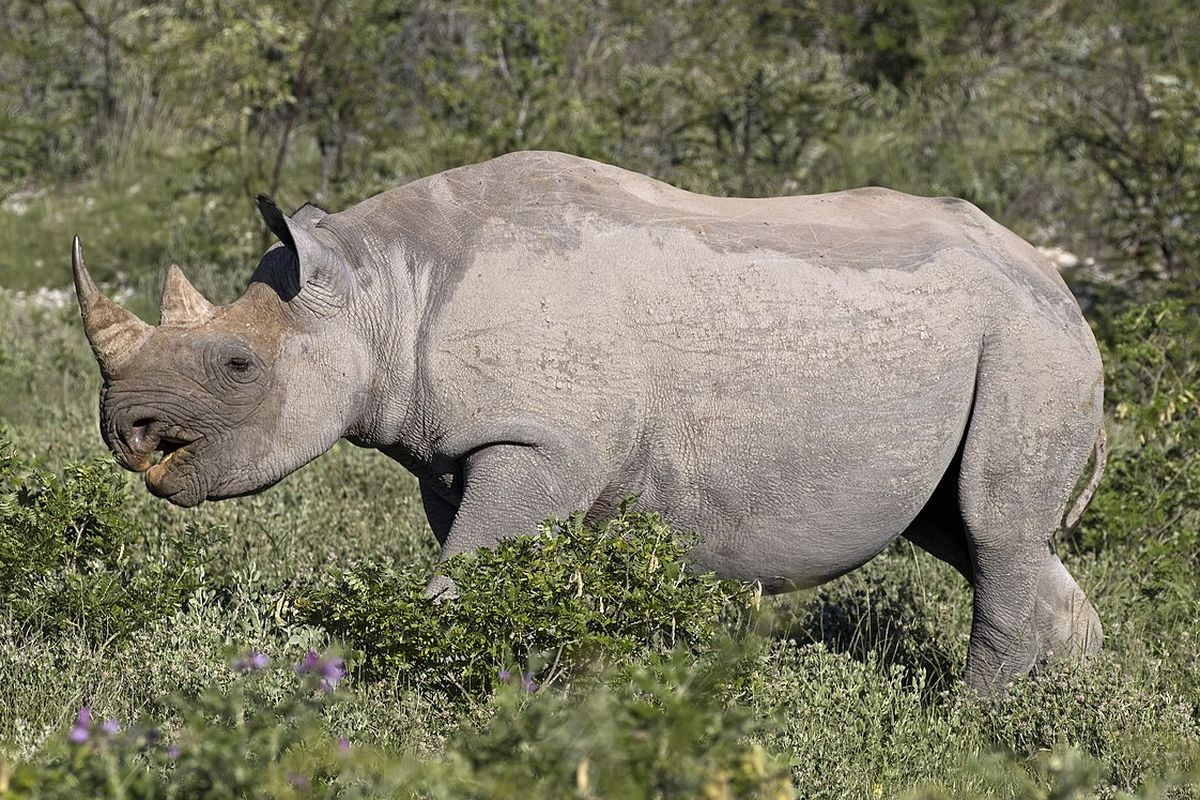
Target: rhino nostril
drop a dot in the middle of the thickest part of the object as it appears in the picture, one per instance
(136, 438)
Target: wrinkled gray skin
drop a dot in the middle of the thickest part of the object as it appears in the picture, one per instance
(800, 380)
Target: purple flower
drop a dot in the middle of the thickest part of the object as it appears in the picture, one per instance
(528, 683)
(343, 746)
(504, 675)
(297, 780)
(173, 752)
(309, 663)
(250, 662)
(83, 724)
(329, 670)
(111, 726)
(332, 671)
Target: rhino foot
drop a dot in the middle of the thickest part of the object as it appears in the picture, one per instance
(1065, 622)
(440, 589)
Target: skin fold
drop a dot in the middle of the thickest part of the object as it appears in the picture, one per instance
(798, 380)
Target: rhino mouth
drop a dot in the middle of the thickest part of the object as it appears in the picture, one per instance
(173, 477)
(157, 450)
(149, 444)
(166, 450)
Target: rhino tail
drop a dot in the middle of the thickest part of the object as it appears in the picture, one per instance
(1099, 456)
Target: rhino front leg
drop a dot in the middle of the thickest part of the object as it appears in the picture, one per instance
(508, 490)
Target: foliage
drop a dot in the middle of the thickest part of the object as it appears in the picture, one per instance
(1122, 115)
(229, 744)
(236, 743)
(572, 596)
(663, 733)
(514, 75)
(72, 560)
(1092, 710)
(752, 121)
(149, 128)
(1148, 498)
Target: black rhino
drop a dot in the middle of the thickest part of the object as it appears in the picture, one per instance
(799, 380)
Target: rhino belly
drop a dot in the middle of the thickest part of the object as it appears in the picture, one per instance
(798, 475)
(793, 511)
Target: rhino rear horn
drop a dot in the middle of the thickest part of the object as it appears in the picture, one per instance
(114, 333)
(182, 306)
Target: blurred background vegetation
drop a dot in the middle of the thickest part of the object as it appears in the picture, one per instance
(148, 128)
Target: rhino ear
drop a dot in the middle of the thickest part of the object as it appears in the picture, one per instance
(308, 215)
(321, 277)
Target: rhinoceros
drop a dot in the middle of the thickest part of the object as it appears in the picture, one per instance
(797, 380)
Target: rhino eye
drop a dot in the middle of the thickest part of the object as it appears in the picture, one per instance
(241, 369)
(232, 366)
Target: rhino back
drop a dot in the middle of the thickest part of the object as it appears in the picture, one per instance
(544, 202)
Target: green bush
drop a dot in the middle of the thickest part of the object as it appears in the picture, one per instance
(571, 596)
(1135, 122)
(73, 560)
(1100, 710)
(234, 743)
(1148, 497)
(665, 732)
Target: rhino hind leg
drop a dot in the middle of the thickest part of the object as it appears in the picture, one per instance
(1030, 436)
(1065, 623)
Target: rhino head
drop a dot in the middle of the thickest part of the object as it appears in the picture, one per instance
(234, 397)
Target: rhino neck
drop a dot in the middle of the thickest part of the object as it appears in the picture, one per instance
(413, 247)
(395, 271)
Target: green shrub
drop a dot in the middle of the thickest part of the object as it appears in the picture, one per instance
(73, 560)
(570, 596)
(665, 732)
(1148, 497)
(1063, 773)
(1101, 710)
(234, 743)
(1135, 122)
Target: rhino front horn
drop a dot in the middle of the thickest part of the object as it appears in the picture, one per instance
(114, 333)
(182, 306)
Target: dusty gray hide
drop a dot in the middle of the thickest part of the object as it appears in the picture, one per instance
(799, 380)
